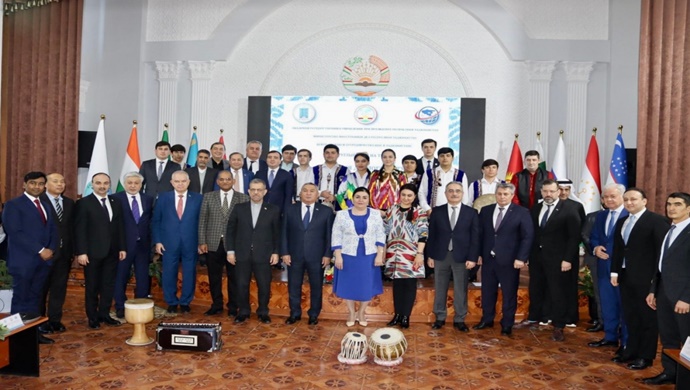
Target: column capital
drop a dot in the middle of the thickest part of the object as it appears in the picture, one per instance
(168, 70)
(578, 71)
(201, 70)
(540, 70)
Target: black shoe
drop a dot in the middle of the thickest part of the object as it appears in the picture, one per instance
(461, 326)
(264, 318)
(639, 364)
(120, 313)
(483, 325)
(598, 327)
(172, 309)
(506, 330)
(232, 313)
(241, 318)
(313, 320)
(661, 379)
(603, 343)
(44, 340)
(185, 309)
(109, 321)
(57, 327)
(395, 320)
(622, 359)
(213, 311)
(291, 320)
(45, 328)
(438, 324)
(94, 324)
(404, 322)
(557, 334)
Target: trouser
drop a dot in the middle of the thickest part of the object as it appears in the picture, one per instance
(55, 288)
(140, 258)
(404, 295)
(100, 285)
(217, 263)
(442, 272)
(615, 328)
(674, 328)
(547, 280)
(314, 272)
(171, 264)
(28, 283)
(261, 268)
(508, 277)
(643, 329)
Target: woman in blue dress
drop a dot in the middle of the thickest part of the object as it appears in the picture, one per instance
(358, 243)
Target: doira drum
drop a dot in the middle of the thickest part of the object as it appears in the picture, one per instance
(388, 346)
(139, 312)
(353, 348)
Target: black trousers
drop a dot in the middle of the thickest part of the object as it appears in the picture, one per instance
(643, 329)
(55, 289)
(99, 276)
(674, 328)
(404, 295)
(547, 280)
(261, 268)
(295, 280)
(508, 277)
(217, 263)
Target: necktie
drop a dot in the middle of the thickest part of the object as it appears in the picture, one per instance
(58, 209)
(136, 213)
(107, 214)
(180, 207)
(307, 217)
(546, 216)
(271, 177)
(612, 223)
(251, 166)
(428, 169)
(453, 220)
(628, 228)
(667, 241)
(499, 218)
(40, 210)
(160, 169)
(236, 185)
(225, 206)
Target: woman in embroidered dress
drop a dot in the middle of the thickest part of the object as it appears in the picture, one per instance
(406, 233)
(385, 183)
(410, 170)
(359, 178)
(358, 242)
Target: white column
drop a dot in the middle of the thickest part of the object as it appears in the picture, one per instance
(168, 74)
(540, 75)
(577, 75)
(201, 73)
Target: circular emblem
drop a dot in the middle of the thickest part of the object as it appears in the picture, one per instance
(366, 114)
(365, 77)
(304, 113)
(427, 115)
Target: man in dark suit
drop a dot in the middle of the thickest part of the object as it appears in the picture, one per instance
(555, 254)
(670, 293)
(506, 233)
(253, 162)
(427, 163)
(55, 289)
(217, 152)
(157, 172)
(137, 210)
(636, 249)
(213, 223)
(99, 241)
(252, 245)
(174, 231)
(280, 182)
(453, 249)
(32, 236)
(306, 246)
(241, 176)
(201, 177)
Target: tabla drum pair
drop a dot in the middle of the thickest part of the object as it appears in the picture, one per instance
(386, 344)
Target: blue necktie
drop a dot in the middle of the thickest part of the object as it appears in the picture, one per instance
(135, 209)
(307, 217)
(270, 179)
(667, 242)
(628, 228)
(612, 223)
(546, 216)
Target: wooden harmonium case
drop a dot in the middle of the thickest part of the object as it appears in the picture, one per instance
(188, 337)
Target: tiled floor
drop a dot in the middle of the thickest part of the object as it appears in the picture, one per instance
(258, 356)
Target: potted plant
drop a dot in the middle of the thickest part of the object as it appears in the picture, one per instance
(5, 288)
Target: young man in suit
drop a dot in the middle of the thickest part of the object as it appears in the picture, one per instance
(453, 249)
(253, 162)
(55, 289)
(100, 244)
(157, 172)
(431, 188)
(252, 245)
(137, 210)
(240, 175)
(177, 153)
(636, 252)
(289, 153)
(306, 247)
(201, 177)
(427, 163)
(506, 233)
(174, 231)
(213, 223)
(32, 236)
(670, 293)
(280, 182)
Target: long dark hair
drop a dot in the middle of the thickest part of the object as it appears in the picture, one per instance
(415, 202)
(382, 170)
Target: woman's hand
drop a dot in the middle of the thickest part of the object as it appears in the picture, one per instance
(378, 261)
(418, 261)
(339, 262)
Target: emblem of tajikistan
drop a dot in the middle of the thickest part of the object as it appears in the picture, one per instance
(365, 77)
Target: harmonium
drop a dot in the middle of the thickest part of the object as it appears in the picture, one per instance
(188, 337)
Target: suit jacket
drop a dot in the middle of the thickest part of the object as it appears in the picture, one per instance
(262, 165)
(263, 239)
(513, 239)
(675, 269)
(153, 186)
(94, 234)
(598, 235)
(642, 251)
(465, 236)
(247, 176)
(66, 227)
(26, 232)
(226, 164)
(136, 232)
(559, 240)
(175, 233)
(195, 184)
(312, 243)
(421, 168)
(212, 223)
(280, 193)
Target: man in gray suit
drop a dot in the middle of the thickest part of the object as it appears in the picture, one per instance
(213, 221)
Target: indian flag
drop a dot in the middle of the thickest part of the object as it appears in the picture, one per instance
(132, 162)
(99, 158)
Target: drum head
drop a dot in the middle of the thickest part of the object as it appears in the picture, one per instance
(484, 200)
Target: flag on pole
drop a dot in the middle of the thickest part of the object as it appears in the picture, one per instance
(165, 136)
(222, 141)
(590, 183)
(558, 169)
(618, 171)
(540, 150)
(132, 162)
(99, 158)
(515, 162)
(193, 150)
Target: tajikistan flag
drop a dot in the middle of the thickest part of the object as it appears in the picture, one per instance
(99, 158)
(132, 162)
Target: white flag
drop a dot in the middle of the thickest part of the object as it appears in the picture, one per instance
(558, 166)
(99, 159)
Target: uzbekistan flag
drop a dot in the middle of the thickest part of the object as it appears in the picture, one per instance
(618, 171)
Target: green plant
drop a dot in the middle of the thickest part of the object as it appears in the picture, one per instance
(3, 332)
(585, 282)
(5, 277)
(156, 270)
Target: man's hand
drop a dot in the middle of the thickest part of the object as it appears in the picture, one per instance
(682, 307)
(470, 264)
(231, 258)
(274, 259)
(325, 261)
(203, 248)
(518, 263)
(614, 281)
(83, 259)
(479, 261)
(160, 248)
(123, 255)
(600, 252)
(651, 301)
(46, 254)
(565, 266)
(287, 260)
(430, 262)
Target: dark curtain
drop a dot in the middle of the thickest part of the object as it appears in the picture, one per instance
(663, 136)
(41, 61)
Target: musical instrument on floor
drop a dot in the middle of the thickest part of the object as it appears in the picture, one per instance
(388, 345)
(139, 312)
(188, 336)
(353, 348)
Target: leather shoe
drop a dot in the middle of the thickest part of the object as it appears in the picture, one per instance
(109, 321)
(661, 379)
(461, 326)
(404, 322)
(557, 335)
(44, 340)
(483, 325)
(264, 318)
(185, 309)
(172, 309)
(120, 313)
(395, 320)
(313, 320)
(45, 328)
(232, 313)
(241, 318)
(639, 364)
(622, 359)
(506, 330)
(57, 327)
(94, 324)
(438, 324)
(603, 343)
(213, 311)
(598, 327)
(291, 320)
(525, 324)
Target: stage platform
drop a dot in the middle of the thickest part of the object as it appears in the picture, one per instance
(379, 310)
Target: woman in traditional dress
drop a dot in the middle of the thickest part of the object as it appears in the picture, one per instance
(359, 178)
(358, 243)
(406, 232)
(384, 185)
(410, 170)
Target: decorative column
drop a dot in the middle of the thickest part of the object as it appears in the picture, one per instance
(577, 75)
(540, 75)
(168, 74)
(200, 74)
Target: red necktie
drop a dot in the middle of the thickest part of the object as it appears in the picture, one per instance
(180, 207)
(40, 210)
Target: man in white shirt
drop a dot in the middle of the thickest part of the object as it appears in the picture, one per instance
(487, 184)
(303, 173)
(201, 176)
(329, 175)
(431, 189)
(240, 175)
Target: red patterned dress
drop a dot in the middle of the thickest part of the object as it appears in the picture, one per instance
(402, 237)
(385, 188)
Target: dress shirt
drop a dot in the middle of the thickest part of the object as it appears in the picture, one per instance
(485, 188)
(33, 200)
(287, 166)
(52, 201)
(671, 236)
(625, 224)
(311, 210)
(222, 196)
(177, 199)
(107, 205)
(304, 176)
(268, 176)
(253, 167)
(325, 185)
(618, 211)
(256, 210)
(496, 211)
(427, 163)
(202, 176)
(446, 177)
(239, 178)
(141, 205)
(158, 164)
(457, 213)
(544, 208)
